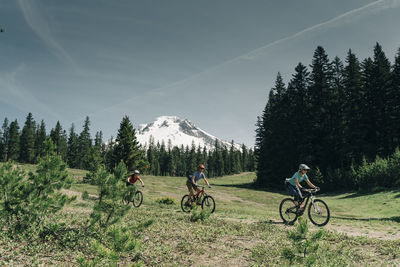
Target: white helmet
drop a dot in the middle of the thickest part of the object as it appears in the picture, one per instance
(136, 172)
(303, 167)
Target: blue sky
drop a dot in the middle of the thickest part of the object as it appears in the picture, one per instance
(212, 62)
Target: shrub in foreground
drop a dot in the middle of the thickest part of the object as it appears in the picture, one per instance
(26, 200)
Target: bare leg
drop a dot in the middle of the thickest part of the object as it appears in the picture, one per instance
(191, 194)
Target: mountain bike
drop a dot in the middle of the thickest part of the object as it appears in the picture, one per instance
(318, 210)
(200, 199)
(136, 199)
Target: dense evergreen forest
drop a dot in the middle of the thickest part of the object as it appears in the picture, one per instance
(81, 151)
(334, 116)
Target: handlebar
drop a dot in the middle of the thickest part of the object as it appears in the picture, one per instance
(205, 187)
(310, 190)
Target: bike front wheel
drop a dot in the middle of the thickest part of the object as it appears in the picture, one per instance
(137, 199)
(287, 210)
(208, 203)
(318, 212)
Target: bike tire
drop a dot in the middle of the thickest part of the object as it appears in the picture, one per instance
(185, 205)
(208, 203)
(137, 199)
(318, 212)
(287, 211)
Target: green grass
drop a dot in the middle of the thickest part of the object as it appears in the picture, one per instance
(245, 229)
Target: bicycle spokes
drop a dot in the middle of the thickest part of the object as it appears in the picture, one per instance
(318, 212)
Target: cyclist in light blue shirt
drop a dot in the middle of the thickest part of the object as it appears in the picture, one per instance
(293, 184)
(191, 182)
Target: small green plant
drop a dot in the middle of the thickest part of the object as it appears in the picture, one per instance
(304, 244)
(108, 209)
(85, 195)
(166, 201)
(199, 214)
(108, 248)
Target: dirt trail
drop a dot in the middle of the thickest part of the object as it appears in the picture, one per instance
(387, 234)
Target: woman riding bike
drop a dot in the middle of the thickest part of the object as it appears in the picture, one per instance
(293, 185)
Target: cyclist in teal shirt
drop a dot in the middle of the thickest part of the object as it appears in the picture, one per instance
(293, 184)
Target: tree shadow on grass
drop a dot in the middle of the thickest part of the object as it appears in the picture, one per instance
(393, 219)
(361, 194)
(252, 186)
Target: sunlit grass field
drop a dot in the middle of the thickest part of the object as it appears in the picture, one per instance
(245, 230)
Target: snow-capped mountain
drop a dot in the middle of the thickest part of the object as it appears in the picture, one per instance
(180, 132)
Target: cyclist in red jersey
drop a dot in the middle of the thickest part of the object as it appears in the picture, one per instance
(132, 179)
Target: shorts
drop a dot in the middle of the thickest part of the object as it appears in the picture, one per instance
(190, 185)
(128, 183)
(294, 191)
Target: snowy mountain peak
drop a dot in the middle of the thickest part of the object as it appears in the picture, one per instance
(178, 131)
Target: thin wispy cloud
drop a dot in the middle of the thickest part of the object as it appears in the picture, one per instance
(347, 17)
(13, 93)
(39, 25)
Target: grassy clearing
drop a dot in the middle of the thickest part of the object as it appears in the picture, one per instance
(245, 229)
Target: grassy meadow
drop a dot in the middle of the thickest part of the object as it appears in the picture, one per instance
(245, 229)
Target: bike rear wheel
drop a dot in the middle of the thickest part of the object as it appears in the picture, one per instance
(287, 210)
(186, 204)
(125, 200)
(208, 203)
(318, 212)
(137, 199)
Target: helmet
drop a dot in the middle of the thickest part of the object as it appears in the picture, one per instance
(303, 167)
(136, 172)
(201, 166)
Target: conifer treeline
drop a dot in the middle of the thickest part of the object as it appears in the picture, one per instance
(168, 160)
(331, 116)
(80, 151)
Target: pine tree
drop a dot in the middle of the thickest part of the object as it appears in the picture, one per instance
(127, 146)
(299, 116)
(264, 133)
(277, 137)
(323, 100)
(4, 140)
(95, 156)
(337, 110)
(59, 138)
(354, 132)
(381, 84)
(369, 115)
(1, 144)
(40, 138)
(27, 141)
(234, 161)
(73, 148)
(244, 159)
(191, 159)
(394, 103)
(85, 146)
(13, 144)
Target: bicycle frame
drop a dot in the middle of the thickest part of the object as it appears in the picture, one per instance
(307, 197)
(199, 195)
(310, 194)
